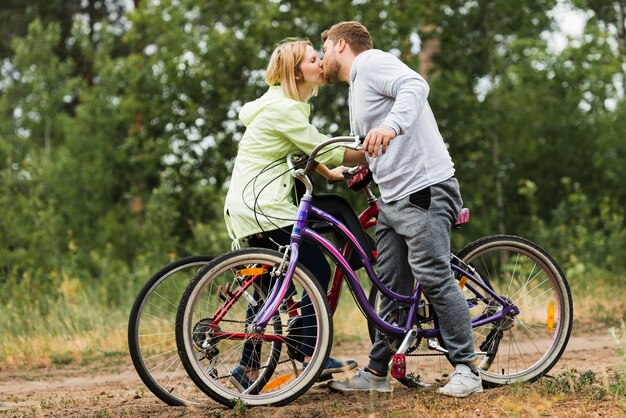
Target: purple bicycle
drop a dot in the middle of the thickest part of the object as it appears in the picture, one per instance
(263, 310)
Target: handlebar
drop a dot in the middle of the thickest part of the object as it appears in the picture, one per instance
(357, 141)
(349, 173)
(353, 141)
(295, 160)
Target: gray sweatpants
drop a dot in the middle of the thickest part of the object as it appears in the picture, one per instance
(413, 242)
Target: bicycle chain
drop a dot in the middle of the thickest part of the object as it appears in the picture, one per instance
(409, 353)
(425, 355)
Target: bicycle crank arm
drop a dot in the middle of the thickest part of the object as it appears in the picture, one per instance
(433, 345)
(408, 341)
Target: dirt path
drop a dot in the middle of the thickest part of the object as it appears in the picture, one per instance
(117, 391)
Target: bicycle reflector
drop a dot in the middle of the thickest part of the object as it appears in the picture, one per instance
(462, 281)
(550, 321)
(274, 383)
(254, 271)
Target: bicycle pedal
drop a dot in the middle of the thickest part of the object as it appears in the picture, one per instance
(398, 366)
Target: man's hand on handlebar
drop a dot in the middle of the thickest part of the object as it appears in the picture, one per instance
(358, 177)
(377, 140)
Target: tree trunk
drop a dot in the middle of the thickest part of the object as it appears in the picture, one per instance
(495, 158)
(621, 34)
(46, 136)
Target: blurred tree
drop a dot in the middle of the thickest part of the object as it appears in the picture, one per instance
(17, 15)
(610, 15)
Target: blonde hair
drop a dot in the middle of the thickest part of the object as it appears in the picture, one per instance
(284, 66)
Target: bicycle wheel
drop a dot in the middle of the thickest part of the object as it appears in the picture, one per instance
(151, 337)
(213, 340)
(526, 346)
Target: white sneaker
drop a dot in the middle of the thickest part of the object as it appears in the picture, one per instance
(462, 383)
(363, 380)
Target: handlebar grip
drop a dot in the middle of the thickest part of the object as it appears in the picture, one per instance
(347, 175)
(354, 176)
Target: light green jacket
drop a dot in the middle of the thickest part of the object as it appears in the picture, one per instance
(275, 126)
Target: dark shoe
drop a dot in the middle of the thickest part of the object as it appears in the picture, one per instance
(239, 378)
(334, 366)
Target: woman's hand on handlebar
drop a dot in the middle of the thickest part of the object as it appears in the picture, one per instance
(336, 174)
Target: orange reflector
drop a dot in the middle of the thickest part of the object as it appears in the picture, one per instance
(462, 282)
(273, 384)
(550, 321)
(251, 271)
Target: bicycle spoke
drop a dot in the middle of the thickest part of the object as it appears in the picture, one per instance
(152, 340)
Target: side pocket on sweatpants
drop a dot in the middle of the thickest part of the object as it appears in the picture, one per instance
(421, 198)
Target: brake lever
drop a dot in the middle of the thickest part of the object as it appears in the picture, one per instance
(357, 144)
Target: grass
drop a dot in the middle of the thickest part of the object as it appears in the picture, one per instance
(546, 397)
(80, 328)
(67, 334)
(599, 299)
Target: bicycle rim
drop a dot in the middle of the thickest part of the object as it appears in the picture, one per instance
(151, 336)
(213, 338)
(526, 346)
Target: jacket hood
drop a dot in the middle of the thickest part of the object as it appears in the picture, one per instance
(252, 109)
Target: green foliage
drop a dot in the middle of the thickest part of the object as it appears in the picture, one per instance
(619, 385)
(240, 407)
(583, 384)
(579, 234)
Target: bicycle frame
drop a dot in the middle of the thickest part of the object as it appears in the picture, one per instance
(302, 231)
(367, 219)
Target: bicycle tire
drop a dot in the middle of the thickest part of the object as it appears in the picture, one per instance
(212, 375)
(152, 319)
(525, 347)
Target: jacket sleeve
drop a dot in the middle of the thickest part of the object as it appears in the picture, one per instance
(292, 122)
(392, 78)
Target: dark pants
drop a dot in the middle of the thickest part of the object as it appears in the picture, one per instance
(313, 259)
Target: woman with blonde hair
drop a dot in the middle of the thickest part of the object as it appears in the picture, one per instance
(260, 207)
